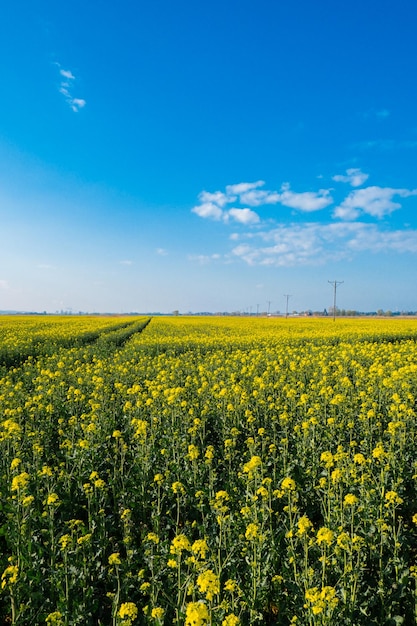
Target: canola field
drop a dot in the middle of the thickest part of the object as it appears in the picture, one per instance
(208, 471)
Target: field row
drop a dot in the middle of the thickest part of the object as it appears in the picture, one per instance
(22, 337)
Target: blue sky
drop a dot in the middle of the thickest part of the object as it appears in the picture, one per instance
(208, 156)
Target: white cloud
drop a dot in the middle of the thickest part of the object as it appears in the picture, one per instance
(67, 74)
(218, 197)
(256, 197)
(240, 188)
(346, 213)
(213, 204)
(316, 244)
(65, 88)
(126, 262)
(373, 240)
(283, 246)
(161, 252)
(306, 201)
(208, 210)
(77, 104)
(374, 201)
(308, 243)
(4, 284)
(250, 194)
(244, 216)
(353, 176)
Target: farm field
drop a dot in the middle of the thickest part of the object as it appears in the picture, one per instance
(217, 471)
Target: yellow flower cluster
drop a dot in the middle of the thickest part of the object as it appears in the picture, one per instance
(321, 600)
(209, 584)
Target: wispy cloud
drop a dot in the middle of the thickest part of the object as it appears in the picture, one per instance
(66, 89)
(305, 201)
(161, 251)
(244, 216)
(126, 262)
(375, 201)
(353, 176)
(382, 114)
(218, 197)
(240, 188)
(315, 244)
(256, 197)
(379, 114)
(208, 210)
(204, 259)
(386, 144)
(4, 284)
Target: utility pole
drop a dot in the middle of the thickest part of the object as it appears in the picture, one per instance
(288, 296)
(335, 284)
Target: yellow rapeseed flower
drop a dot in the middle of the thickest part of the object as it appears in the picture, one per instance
(252, 531)
(200, 548)
(52, 499)
(196, 614)
(325, 535)
(327, 459)
(350, 499)
(288, 484)
(128, 612)
(230, 585)
(321, 599)
(193, 452)
(55, 619)
(9, 576)
(392, 499)
(65, 540)
(208, 583)
(359, 459)
(179, 543)
(231, 620)
(15, 463)
(222, 495)
(378, 452)
(20, 481)
(114, 559)
(304, 526)
(251, 465)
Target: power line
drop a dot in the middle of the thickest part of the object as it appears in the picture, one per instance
(288, 296)
(335, 284)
